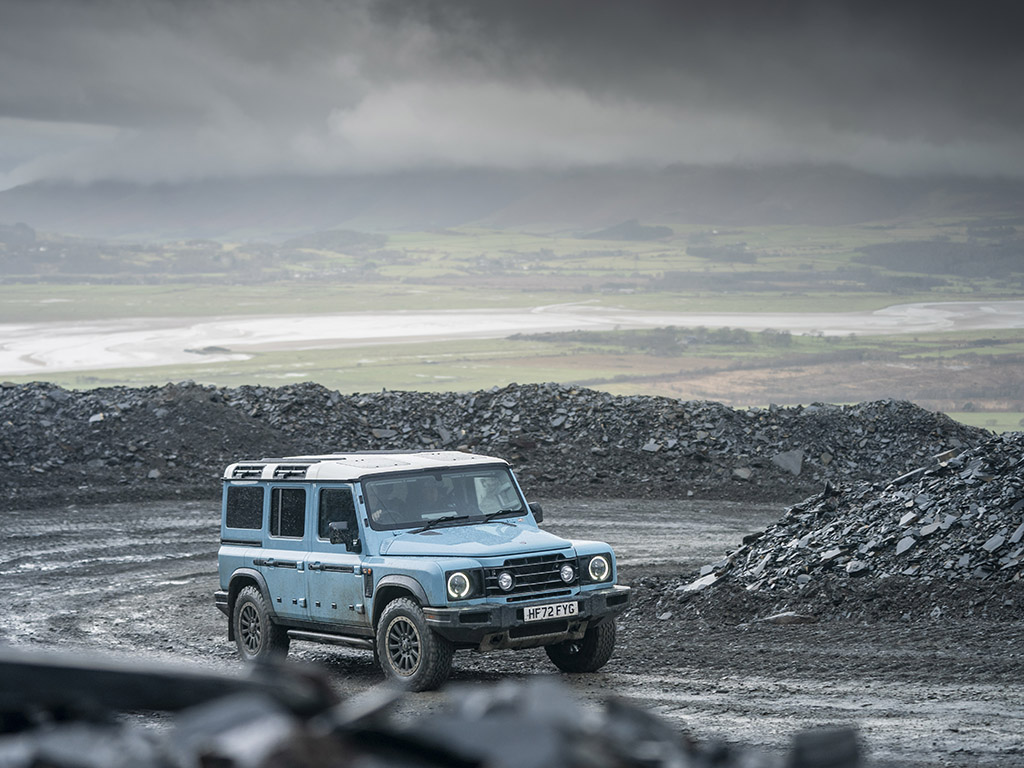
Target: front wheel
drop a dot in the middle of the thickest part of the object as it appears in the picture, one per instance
(257, 637)
(589, 653)
(410, 652)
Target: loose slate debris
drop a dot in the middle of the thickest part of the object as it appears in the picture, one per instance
(285, 717)
(961, 518)
(126, 444)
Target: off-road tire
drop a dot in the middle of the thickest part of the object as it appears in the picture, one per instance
(589, 653)
(257, 637)
(411, 653)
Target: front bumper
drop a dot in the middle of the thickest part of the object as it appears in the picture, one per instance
(490, 626)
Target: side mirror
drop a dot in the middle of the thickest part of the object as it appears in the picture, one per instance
(538, 513)
(339, 534)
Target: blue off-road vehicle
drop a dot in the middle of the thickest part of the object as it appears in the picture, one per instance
(411, 555)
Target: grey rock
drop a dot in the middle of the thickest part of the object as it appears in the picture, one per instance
(702, 583)
(1017, 534)
(904, 544)
(790, 461)
(789, 617)
(857, 568)
(909, 519)
(994, 543)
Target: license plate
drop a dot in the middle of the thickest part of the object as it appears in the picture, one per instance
(552, 611)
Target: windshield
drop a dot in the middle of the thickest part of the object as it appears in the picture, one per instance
(415, 500)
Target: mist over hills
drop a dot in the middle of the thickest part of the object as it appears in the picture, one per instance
(580, 201)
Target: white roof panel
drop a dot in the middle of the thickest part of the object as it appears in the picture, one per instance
(351, 466)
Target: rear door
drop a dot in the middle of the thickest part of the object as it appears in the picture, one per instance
(335, 581)
(282, 561)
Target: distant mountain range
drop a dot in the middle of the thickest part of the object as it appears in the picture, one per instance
(570, 202)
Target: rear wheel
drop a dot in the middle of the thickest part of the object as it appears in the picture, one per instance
(257, 637)
(410, 652)
(589, 653)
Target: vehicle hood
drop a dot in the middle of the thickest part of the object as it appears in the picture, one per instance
(486, 540)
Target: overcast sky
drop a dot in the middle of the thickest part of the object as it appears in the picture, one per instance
(155, 90)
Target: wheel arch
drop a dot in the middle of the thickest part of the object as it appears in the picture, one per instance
(240, 579)
(392, 587)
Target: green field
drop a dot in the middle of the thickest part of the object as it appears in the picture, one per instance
(1007, 421)
(696, 269)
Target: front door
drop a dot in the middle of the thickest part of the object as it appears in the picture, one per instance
(335, 580)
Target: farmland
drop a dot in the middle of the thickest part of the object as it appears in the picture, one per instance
(693, 270)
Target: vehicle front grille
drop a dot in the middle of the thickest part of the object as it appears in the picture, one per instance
(531, 575)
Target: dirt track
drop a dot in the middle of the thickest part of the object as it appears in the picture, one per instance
(136, 580)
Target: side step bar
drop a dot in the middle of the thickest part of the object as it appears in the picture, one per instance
(323, 637)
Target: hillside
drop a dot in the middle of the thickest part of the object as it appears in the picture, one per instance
(580, 201)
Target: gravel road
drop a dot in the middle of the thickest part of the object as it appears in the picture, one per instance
(137, 581)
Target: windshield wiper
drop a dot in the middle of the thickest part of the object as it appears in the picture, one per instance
(442, 519)
(489, 517)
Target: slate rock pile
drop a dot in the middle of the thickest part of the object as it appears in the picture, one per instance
(120, 444)
(945, 538)
(572, 440)
(152, 442)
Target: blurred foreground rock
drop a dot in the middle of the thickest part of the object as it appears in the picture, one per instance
(284, 717)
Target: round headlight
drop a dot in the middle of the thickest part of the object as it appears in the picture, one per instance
(505, 581)
(599, 568)
(459, 585)
(567, 573)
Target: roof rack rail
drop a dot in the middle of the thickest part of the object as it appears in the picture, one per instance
(247, 470)
(290, 470)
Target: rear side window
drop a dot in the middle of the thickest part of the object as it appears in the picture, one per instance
(244, 507)
(288, 512)
(336, 506)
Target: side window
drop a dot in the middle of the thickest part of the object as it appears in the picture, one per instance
(288, 512)
(244, 507)
(336, 506)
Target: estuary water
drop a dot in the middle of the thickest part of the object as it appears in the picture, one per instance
(39, 348)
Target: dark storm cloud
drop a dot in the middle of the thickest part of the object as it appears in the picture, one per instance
(933, 69)
(154, 89)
